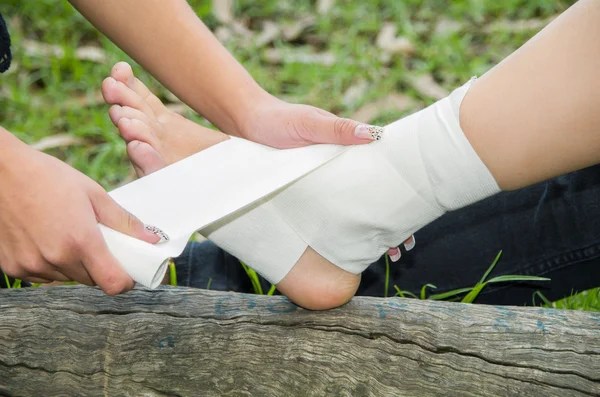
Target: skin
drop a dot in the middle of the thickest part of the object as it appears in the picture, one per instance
(48, 208)
(536, 114)
(49, 218)
(203, 74)
(544, 125)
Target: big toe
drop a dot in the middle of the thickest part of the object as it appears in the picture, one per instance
(123, 72)
(116, 92)
(145, 158)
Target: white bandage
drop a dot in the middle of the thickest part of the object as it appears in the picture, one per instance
(370, 198)
(350, 204)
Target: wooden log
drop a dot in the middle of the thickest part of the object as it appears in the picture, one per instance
(75, 341)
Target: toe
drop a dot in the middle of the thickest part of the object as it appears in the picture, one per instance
(122, 72)
(115, 92)
(117, 112)
(144, 158)
(135, 130)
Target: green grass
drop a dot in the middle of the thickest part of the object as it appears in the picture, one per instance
(45, 96)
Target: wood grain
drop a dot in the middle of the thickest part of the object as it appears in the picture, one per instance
(75, 341)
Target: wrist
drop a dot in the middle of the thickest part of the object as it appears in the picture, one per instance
(250, 113)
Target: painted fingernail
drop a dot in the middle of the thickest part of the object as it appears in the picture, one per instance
(411, 244)
(364, 131)
(395, 254)
(154, 230)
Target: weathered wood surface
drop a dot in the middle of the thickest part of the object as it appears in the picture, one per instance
(74, 341)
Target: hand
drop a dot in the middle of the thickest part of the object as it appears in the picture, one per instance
(48, 222)
(283, 125)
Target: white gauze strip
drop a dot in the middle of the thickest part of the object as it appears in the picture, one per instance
(350, 209)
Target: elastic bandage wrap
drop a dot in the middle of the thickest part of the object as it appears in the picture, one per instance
(370, 198)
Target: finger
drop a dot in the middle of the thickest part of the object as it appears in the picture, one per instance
(37, 280)
(410, 243)
(51, 274)
(329, 128)
(77, 273)
(112, 215)
(103, 267)
(394, 254)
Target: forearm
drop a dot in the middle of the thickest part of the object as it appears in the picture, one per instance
(537, 114)
(170, 41)
(8, 145)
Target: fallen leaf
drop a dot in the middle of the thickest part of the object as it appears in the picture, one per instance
(223, 10)
(324, 6)
(270, 33)
(355, 93)
(293, 30)
(171, 97)
(179, 108)
(526, 25)
(428, 87)
(57, 141)
(223, 34)
(87, 53)
(446, 27)
(277, 56)
(90, 53)
(390, 103)
(83, 101)
(388, 42)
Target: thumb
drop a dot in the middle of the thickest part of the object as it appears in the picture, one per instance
(112, 215)
(342, 131)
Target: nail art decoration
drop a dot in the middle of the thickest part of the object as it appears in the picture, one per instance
(155, 230)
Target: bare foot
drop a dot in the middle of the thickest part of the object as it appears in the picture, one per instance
(157, 137)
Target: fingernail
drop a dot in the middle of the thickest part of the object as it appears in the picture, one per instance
(411, 244)
(364, 131)
(154, 230)
(395, 256)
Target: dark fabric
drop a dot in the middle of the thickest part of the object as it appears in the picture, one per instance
(550, 229)
(5, 53)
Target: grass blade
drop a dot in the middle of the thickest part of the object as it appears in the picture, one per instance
(516, 277)
(172, 273)
(423, 290)
(7, 281)
(489, 270)
(403, 294)
(449, 294)
(272, 290)
(17, 284)
(209, 283)
(387, 276)
(542, 297)
(471, 296)
(253, 279)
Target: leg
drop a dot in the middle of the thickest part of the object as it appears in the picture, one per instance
(549, 229)
(157, 137)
